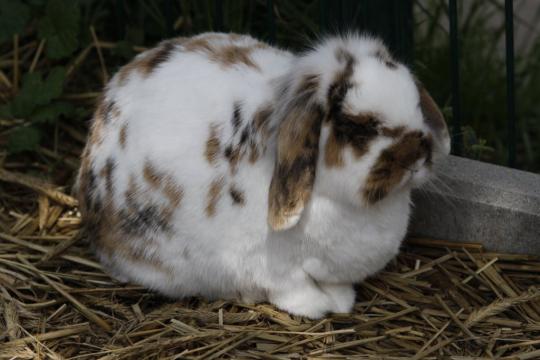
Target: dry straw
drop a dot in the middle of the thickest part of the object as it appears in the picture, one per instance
(437, 300)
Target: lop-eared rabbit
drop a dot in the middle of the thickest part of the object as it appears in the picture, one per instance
(223, 167)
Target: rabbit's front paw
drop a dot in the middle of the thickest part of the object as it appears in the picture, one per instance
(305, 300)
(342, 295)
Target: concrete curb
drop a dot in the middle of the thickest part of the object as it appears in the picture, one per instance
(472, 201)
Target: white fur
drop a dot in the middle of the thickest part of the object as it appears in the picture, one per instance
(308, 269)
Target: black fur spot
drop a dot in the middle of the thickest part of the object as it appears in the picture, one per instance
(161, 56)
(108, 173)
(142, 220)
(107, 110)
(236, 119)
(357, 134)
(237, 196)
(228, 151)
(244, 135)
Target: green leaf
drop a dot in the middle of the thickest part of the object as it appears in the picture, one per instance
(28, 96)
(60, 27)
(5, 111)
(13, 18)
(50, 113)
(36, 3)
(82, 113)
(55, 83)
(23, 139)
(124, 49)
(36, 92)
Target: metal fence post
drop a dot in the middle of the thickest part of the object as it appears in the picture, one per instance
(457, 136)
(510, 81)
(218, 15)
(271, 21)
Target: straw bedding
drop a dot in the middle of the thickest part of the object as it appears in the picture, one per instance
(437, 300)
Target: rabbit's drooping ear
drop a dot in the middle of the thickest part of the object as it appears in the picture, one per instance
(297, 153)
(433, 117)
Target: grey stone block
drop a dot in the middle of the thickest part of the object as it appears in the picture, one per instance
(472, 201)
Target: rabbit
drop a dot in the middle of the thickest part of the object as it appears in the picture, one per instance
(222, 167)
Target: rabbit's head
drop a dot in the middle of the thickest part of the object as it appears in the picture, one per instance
(354, 126)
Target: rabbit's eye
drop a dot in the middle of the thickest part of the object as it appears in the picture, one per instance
(356, 131)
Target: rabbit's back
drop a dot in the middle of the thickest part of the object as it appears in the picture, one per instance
(161, 183)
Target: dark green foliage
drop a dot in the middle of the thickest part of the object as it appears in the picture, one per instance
(24, 139)
(60, 27)
(13, 17)
(37, 91)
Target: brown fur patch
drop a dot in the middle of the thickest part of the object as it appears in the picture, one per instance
(213, 144)
(235, 37)
(297, 155)
(259, 132)
(394, 162)
(125, 234)
(225, 55)
(113, 241)
(233, 154)
(261, 119)
(111, 111)
(392, 132)
(309, 85)
(336, 94)
(132, 190)
(294, 172)
(157, 57)
(86, 184)
(341, 83)
(238, 197)
(213, 196)
(253, 153)
(148, 61)
(126, 70)
(333, 152)
(106, 110)
(200, 44)
(433, 116)
(234, 55)
(152, 176)
(96, 132)
(122, 136)
(142, 217)
(173, 192)
(354, 131)
(249, 140)
(166, 184)
(107, 173)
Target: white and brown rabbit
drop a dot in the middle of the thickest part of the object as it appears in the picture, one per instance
(220, 166)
